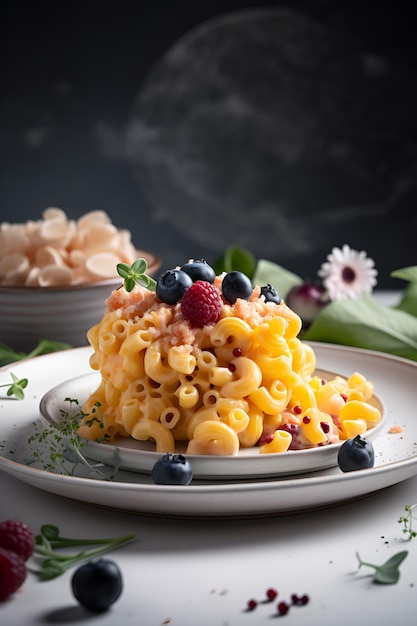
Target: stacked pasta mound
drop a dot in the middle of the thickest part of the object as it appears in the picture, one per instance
(245, 380)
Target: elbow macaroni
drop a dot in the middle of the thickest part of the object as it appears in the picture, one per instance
(245, 381)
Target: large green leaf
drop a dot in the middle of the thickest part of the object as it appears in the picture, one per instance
(408, 301)
(277, 276)
(406, 273)
(364, 323)
(236, 259)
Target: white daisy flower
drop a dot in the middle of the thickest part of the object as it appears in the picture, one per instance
(348, 273)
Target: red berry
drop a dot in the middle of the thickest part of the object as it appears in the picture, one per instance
(12, 573)
(18, 537)
(283, 608)
(252, 604)
(201, 304)
(299, 600)
(271, 594)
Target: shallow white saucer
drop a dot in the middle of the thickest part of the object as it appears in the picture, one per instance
(138, 456)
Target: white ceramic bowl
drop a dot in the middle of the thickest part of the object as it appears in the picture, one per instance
(28, 314)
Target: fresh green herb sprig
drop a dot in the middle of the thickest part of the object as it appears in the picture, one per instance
(407, 521)
(135, 274)
(54, 563)
(64, 447)
(44, 346)
(388, 573)
(16, 388)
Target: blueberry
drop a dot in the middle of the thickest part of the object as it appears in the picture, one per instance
(356, 454)
(199, 270)
(171, 286)
(97, 584)
(172, 469)
(236, 285)
(270, 294)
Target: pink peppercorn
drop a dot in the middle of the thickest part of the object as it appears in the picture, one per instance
(283, 608)
(271, 594)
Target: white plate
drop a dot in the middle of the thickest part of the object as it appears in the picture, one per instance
(396, 454)
(140, 456)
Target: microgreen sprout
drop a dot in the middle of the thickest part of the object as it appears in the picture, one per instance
(387, 573)
(407, 521)
(54, 563)
(135, 274)
(16, 387)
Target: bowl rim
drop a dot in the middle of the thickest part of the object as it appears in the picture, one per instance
(153, 260)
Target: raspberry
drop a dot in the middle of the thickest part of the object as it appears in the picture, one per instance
(18, 537)
(201, 304)
(12, 573)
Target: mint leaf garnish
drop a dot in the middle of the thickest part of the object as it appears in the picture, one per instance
(387, 573)
(135, 274)
(16, 388)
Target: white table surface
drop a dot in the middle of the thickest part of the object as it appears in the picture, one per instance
(202, 572)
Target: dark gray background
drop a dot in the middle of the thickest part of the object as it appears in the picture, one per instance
(284, 127)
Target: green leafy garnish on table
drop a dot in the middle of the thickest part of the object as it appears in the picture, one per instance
(16, 387)
(388, 573)
(9, 355)
(54, 562)
(277, 276)
(45, 346)
(408, 302)
(135, 274)
(365, 323)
